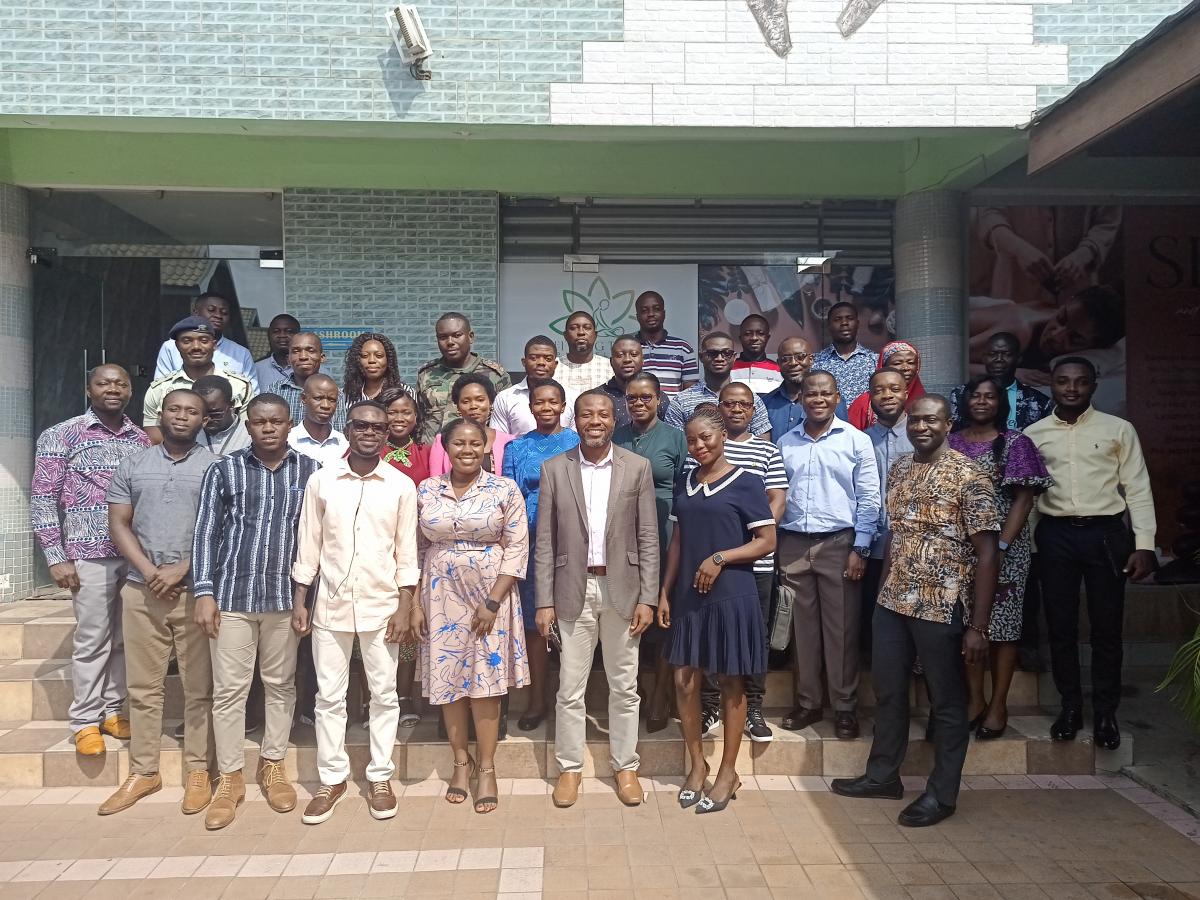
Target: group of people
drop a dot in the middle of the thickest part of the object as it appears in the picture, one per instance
(277, 532)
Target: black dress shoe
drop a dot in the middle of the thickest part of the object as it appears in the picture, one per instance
(1106, 731)
(1067, 725)
(924, 811)
(845, 726)
(800, 718)
(862, 786)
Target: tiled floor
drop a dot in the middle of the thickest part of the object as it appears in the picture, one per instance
(1013, 837)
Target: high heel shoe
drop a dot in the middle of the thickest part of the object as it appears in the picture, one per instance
(689, 798)
(709, 805)
(455, 795)
(983, 733)
(482, 804)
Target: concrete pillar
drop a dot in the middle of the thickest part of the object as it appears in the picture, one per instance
(16, 396)
(931, 295)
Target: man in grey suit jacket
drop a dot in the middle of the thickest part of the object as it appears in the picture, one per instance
(596, 563)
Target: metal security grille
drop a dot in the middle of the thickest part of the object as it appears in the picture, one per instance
(696, 232)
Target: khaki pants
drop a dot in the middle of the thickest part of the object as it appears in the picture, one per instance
(242, 638)
(152, 628)
(598, 621)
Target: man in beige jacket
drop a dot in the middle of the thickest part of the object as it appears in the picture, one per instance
(596, 563)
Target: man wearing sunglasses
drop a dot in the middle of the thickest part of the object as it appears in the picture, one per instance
(716, 358)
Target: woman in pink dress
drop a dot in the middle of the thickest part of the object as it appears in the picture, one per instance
(473, 395)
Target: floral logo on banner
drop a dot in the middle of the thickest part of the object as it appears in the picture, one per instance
(608, 309)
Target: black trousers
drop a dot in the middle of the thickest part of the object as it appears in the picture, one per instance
(1031, 609)
(897, 640)
(1086, 553)
(870, 591)
(756, 685)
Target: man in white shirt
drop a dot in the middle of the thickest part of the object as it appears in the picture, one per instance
(274, 366)
(358, 530)
(582, 369)
(510, 411)
(229, 355)
(315, 436)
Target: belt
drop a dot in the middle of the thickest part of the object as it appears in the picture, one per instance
(1084, 521)
(817, 535)
(599, 571)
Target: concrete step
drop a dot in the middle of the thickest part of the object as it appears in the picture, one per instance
(40, 754)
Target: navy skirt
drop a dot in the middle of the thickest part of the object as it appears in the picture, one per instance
(723, 636)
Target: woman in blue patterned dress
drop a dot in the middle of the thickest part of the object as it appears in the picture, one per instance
(523, 460)
(473, 539)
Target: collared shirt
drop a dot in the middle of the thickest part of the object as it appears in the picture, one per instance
(360, 533)
(597, 479)
(761, 458)
(934, 509)
(164, 494)
(243, 390)
(673, 361)
(580, 377)
(326, 452)
(834, 482)
(761, 375)
(246, 531)
(890, 444)
(512, 415)
(235, 437)
(435, 381)
(228, 356)
(268, 371)
(784, 413)
(1098, 470)
(1026, 405)
(685, 402)
(617, 392)
(73, 465)
(853, 375)
(294, 395)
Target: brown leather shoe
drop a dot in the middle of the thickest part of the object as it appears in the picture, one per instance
(381, 800)
(197, 792)
(566, 792)
(320, 807)
(845, 726)
(134, 789)
(629, 789)
(230, 793)
(117, 726)
(273, 780)
(89, 741)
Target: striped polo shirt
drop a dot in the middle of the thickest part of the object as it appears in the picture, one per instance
(673, 361)
(761, 458)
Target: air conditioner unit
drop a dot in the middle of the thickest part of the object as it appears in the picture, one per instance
(408, 34)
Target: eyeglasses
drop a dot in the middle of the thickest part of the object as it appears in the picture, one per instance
(646, 399)
(785, 358)
(368, 427)
(737, 404)
(720, 354)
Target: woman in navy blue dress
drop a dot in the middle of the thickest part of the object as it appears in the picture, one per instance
(709, 600)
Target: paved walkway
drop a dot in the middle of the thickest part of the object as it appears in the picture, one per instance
(1013, 837)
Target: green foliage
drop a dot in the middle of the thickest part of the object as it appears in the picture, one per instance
(1183, 680)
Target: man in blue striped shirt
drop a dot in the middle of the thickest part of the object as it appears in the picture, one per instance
(671, 359)
(242, 558)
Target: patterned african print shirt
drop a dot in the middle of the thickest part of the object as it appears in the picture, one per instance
(73, 465)
(435, 380)
(853, 375)
(933, 509)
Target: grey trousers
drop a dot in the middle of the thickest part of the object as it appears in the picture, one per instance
(98, 655)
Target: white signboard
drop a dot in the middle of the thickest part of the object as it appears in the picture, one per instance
(537, 298)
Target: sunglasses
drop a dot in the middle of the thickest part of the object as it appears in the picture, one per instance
(646, 399)
(794, 357)
(720, 354)
(368, 427)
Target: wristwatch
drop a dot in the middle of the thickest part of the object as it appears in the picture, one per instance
(718, 559)
(863, 552)
(1003, 545)
(492, 605)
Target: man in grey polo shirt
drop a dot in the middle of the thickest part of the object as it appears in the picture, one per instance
(152, 503)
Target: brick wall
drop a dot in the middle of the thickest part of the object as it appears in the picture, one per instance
(392, 261)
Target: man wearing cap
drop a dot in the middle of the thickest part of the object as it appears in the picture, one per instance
(196, 341)
(228, 355)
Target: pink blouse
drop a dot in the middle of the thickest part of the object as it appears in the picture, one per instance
(439, 462)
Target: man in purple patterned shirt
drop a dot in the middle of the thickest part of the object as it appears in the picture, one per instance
(74, 463)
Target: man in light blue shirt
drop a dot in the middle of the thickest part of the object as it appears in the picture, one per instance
(825, 536)
(229, 356)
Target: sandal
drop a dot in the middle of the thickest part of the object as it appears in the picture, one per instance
(484, 801)
(455, 795)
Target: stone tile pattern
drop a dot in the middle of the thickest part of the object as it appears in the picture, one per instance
(394, 261)
(1096, 31)
(16, 403)
(292, 59)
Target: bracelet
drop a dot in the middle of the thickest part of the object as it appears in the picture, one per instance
(982, 632)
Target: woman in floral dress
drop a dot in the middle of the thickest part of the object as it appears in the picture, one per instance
(1019, 474)
(474, 545)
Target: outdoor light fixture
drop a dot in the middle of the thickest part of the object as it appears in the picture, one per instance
(581, 262)
(408, 34)
(815, 265)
